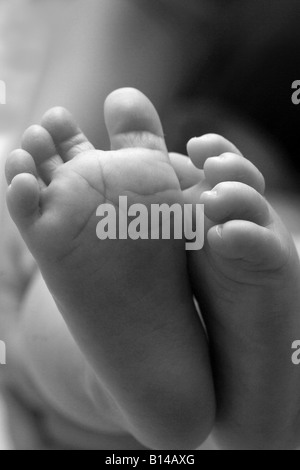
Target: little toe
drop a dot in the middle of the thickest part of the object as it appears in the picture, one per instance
(19, 161)
(209, 145)
(233, 200)
(39, 143)
(67, 136)
(132, 121)
(244, 240)
(233, 167)
(23, 196)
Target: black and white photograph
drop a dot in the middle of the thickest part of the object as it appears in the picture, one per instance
(149, 227)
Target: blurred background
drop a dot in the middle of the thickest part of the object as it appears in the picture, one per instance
(23, 42)
(248, 59)
(5, 442)
(241, 59)
(24, 38)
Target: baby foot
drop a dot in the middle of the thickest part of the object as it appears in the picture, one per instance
(128, 303)
(246, 280)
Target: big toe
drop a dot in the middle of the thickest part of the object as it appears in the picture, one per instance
(132, 121)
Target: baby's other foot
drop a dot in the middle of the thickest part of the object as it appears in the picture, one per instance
(246, 280)
(128, 303)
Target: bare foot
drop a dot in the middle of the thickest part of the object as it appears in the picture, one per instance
(128, 303)
(246, 280)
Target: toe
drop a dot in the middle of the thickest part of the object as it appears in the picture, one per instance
(19, 161)
(231, 200)
(233, 167)
(132, 121)
(244, 240)
(23, 196)
(67, 136)
(209, 145)
(39, 143)
(187, 174)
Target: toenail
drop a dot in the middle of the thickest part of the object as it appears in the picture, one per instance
(12, 182)
(219, 230)
(213, 192)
